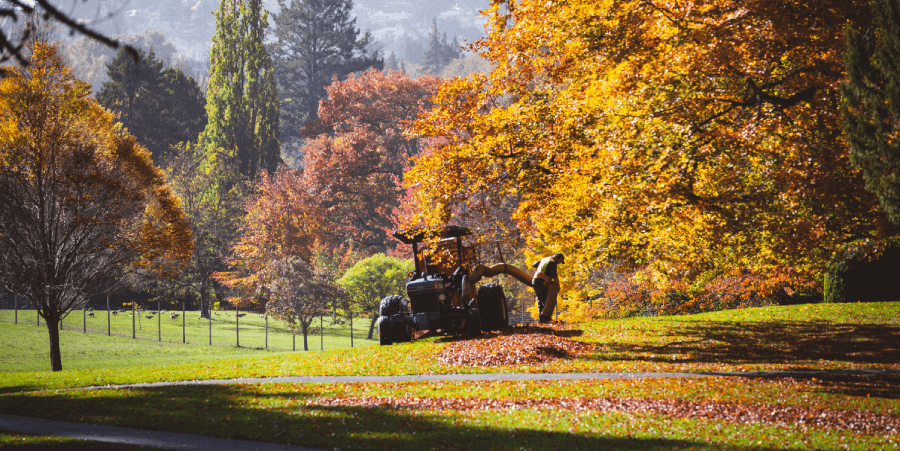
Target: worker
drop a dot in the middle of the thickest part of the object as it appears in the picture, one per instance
(546, 285)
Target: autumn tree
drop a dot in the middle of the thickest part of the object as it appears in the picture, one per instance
(315, 41)
(871, 104)
(373, 278)
(81, 204)
(161, 107)
(298, 293)
(687, 139)
(241, 98)
(283, 221)
(358, 152)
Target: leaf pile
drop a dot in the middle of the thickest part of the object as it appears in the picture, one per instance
(515, 346)
(857, 421)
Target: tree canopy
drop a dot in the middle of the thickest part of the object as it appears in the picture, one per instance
(686, 138)
(81, 203)
(315, 40)
(242, 99)
(359, 153)
(871, 104)
(160, 107)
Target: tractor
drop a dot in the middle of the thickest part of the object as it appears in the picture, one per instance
(442, 293)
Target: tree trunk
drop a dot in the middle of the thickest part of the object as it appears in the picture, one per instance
(305, 343)
(372, 326)
(204, 300)
(55, 355)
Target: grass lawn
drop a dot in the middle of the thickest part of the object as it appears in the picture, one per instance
(225, 329)
(849, 412)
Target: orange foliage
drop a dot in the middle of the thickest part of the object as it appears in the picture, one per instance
(685, 140)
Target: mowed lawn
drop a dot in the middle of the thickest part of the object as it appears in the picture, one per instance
(820, 411)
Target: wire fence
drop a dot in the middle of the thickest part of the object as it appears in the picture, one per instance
(240, 328)
(246, 329)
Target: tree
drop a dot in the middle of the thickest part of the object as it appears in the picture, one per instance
(392, 63)
(284, 220)
(89, 58)
(689, 139)
(373, 278)
(315, 40)
(299, 293)
(358, 154)
(12, 45)
(81, 204)
(160, 107)
(870, 104)
(212, 194)
(242, 99)
(439, 53)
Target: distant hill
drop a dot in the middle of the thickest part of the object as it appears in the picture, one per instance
(189, 24)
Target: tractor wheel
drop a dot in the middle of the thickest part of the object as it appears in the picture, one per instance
(400, 332)
(385, 332)
(473, 322)
(390, 305)
(492, 305)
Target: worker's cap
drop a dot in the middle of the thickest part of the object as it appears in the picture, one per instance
(560, 256)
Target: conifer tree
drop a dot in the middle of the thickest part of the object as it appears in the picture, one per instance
(242, 99)
(392, 64)
(439, 53)
(159, 107)
(315, 40)
(870, 104)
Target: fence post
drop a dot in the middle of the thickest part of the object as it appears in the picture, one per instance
(237, 327)
(209, 309)
(322, 333)
(351, 329)
(38, 313)
(133, 316)
(183, 311)
(294, 339)
(158, 320)
(84, 319)
(108, 320)
(16, 307)
(267, 331)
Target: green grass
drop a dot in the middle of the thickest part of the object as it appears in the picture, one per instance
(24, 442)
(280, 413)
(820, 336)
(250, 331)
(27, 346)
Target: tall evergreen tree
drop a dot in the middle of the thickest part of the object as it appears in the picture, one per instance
(159, 107)
(315, 40)
(871, 104)
(242, 98)
(392, 63)
(439, 53)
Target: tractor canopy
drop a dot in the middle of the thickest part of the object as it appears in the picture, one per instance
(414, 236)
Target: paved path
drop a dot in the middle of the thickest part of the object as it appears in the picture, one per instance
(140, 437)
(169, 440)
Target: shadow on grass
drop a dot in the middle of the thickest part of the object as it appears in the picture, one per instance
(20, 388)
(241, 413)
(767, 342)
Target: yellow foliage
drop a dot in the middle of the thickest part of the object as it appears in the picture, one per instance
(686, 138)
